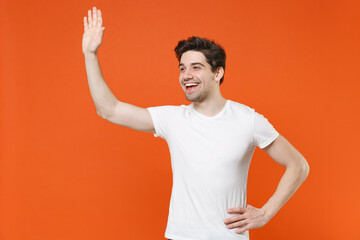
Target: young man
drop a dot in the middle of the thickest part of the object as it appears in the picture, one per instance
(211, 143)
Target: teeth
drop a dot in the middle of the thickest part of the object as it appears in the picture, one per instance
(191, 84)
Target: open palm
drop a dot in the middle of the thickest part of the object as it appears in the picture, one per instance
(93, 32)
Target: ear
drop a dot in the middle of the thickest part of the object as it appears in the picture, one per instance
(219, 73)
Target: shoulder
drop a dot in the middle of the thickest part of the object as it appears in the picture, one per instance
(168, 108)
(241, 108)
(167, 111)
(249, 112)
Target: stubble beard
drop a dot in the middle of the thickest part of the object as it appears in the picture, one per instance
(198, 98)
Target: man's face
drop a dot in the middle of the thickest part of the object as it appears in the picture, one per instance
(196, 77)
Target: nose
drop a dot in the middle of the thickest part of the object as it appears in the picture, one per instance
(188, 74)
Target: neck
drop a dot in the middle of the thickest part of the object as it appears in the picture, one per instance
(211, 105)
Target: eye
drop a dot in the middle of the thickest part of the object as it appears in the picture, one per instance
(181, 69)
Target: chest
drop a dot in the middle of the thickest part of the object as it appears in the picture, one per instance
(215, 143)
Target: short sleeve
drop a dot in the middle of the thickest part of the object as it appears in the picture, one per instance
(264, 132)
(161, 117)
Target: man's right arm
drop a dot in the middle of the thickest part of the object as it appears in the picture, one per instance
(107, 106)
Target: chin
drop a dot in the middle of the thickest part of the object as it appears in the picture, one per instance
(194, 99)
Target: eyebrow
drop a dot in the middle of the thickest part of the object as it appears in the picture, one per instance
(192, 64)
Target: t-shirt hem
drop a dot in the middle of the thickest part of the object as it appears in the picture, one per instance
(175, 237)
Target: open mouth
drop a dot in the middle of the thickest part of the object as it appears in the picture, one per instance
(191, 86)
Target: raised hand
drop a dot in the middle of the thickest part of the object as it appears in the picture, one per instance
(93, 31)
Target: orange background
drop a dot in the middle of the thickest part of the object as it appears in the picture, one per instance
(68, 174)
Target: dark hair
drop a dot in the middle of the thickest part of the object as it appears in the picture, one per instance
(213, 52)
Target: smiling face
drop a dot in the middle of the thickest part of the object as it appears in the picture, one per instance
(196, 77)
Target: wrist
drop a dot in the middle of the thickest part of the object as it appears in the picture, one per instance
(268, 213)
(90, 55)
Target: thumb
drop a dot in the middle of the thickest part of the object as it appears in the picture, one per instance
(100, 32)
(249, 206)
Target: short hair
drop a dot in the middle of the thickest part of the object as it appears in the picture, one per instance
(213, 52)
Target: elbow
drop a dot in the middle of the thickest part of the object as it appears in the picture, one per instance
(103, 112)
(99, 113)
(106, 111)
(102, 115)
(304, 169)
(300, 169)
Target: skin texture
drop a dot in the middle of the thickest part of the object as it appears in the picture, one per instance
(207, 100)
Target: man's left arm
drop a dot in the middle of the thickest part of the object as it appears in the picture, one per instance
(297, 169)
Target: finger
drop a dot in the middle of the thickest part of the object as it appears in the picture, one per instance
(242, 229)
(86, 26)
(90, 18)
(94, 16)
(249, 206)
(99, 20)
(237, 224)
(236, 210)
(100, 32)
(234, 219)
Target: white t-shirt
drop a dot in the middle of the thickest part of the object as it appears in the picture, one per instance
(210, 159)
